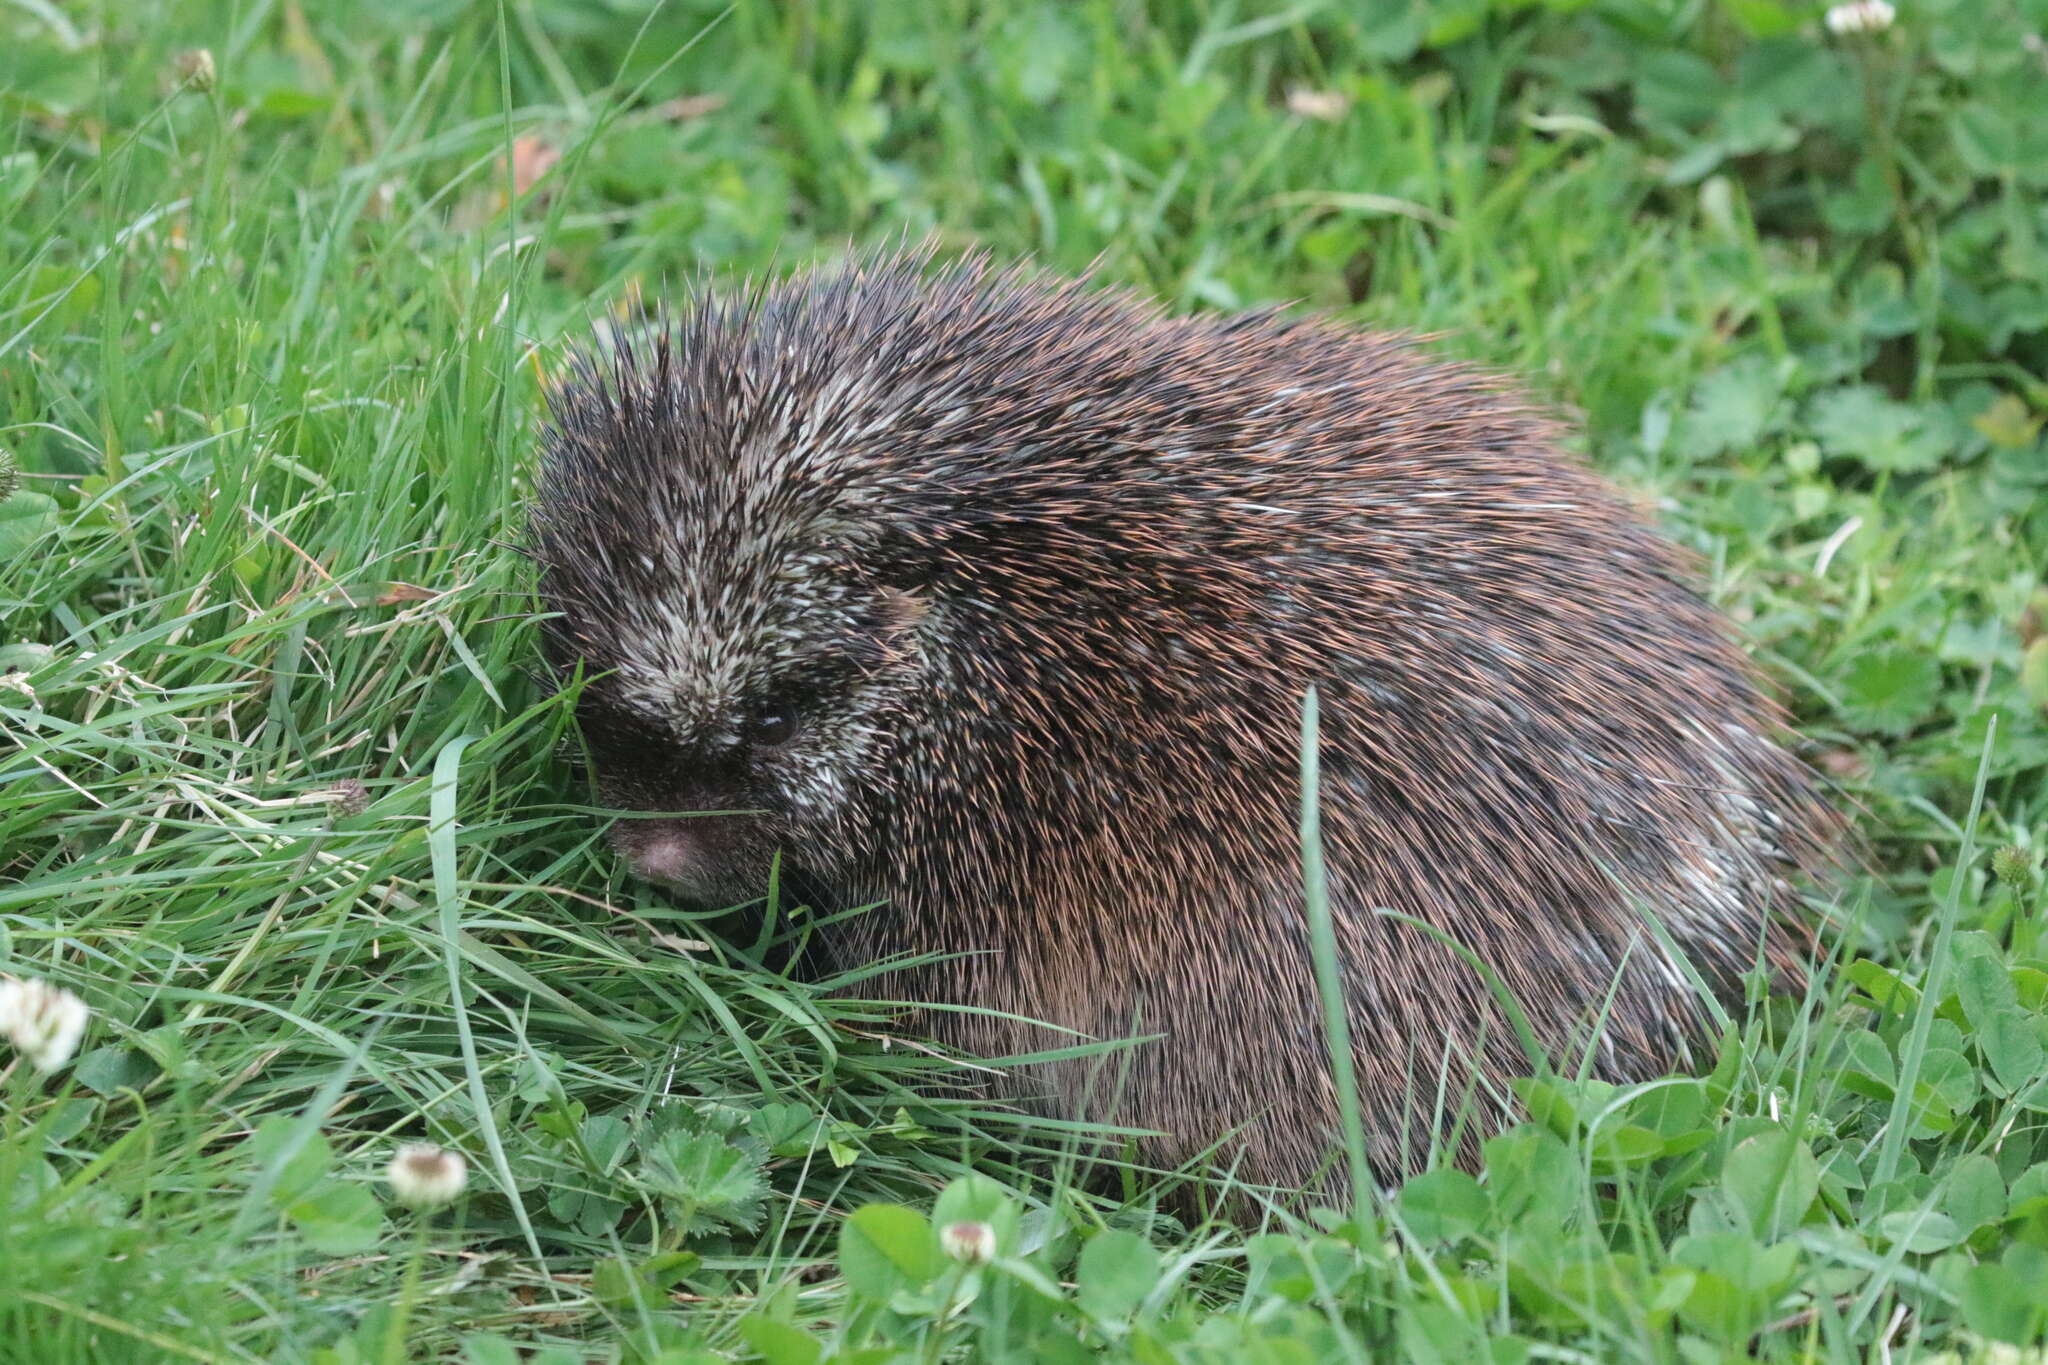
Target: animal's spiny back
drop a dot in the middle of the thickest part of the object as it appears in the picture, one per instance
(1047, 573)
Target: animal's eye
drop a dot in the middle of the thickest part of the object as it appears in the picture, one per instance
(774, 722)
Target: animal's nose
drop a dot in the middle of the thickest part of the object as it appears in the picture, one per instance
(671, 852)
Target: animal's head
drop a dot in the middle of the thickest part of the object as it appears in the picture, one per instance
(747, 631)
(793, 535)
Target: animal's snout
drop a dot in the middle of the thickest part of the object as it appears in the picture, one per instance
(671, 852)
(688, 855)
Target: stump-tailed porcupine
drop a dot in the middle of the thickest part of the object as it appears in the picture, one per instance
(996, 599)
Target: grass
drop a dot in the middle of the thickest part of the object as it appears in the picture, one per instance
(278, 799)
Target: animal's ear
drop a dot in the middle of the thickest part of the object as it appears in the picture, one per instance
(902, 564)
(902, 609)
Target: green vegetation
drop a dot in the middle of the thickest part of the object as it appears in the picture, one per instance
(278, 800)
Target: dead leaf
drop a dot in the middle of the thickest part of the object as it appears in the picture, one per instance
(685, 107)
(2034, 617)
(532, 158)
(2008, 423)
(1327, 105)
(1844, 763)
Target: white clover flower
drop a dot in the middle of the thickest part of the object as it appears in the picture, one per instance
(44, 1022)
(424, 1176)
(971, 1243)
(1862, 16)
(196, 69)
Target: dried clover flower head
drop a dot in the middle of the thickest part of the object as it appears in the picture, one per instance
(424, 1176)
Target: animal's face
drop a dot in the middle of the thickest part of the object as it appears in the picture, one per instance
(744, 653)
(732, 669)
(741, 517)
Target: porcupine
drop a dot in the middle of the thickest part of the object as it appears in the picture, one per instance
(994, 598)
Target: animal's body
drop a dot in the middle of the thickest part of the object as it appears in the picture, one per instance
(998, 598)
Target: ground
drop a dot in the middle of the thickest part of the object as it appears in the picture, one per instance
(278, 285)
